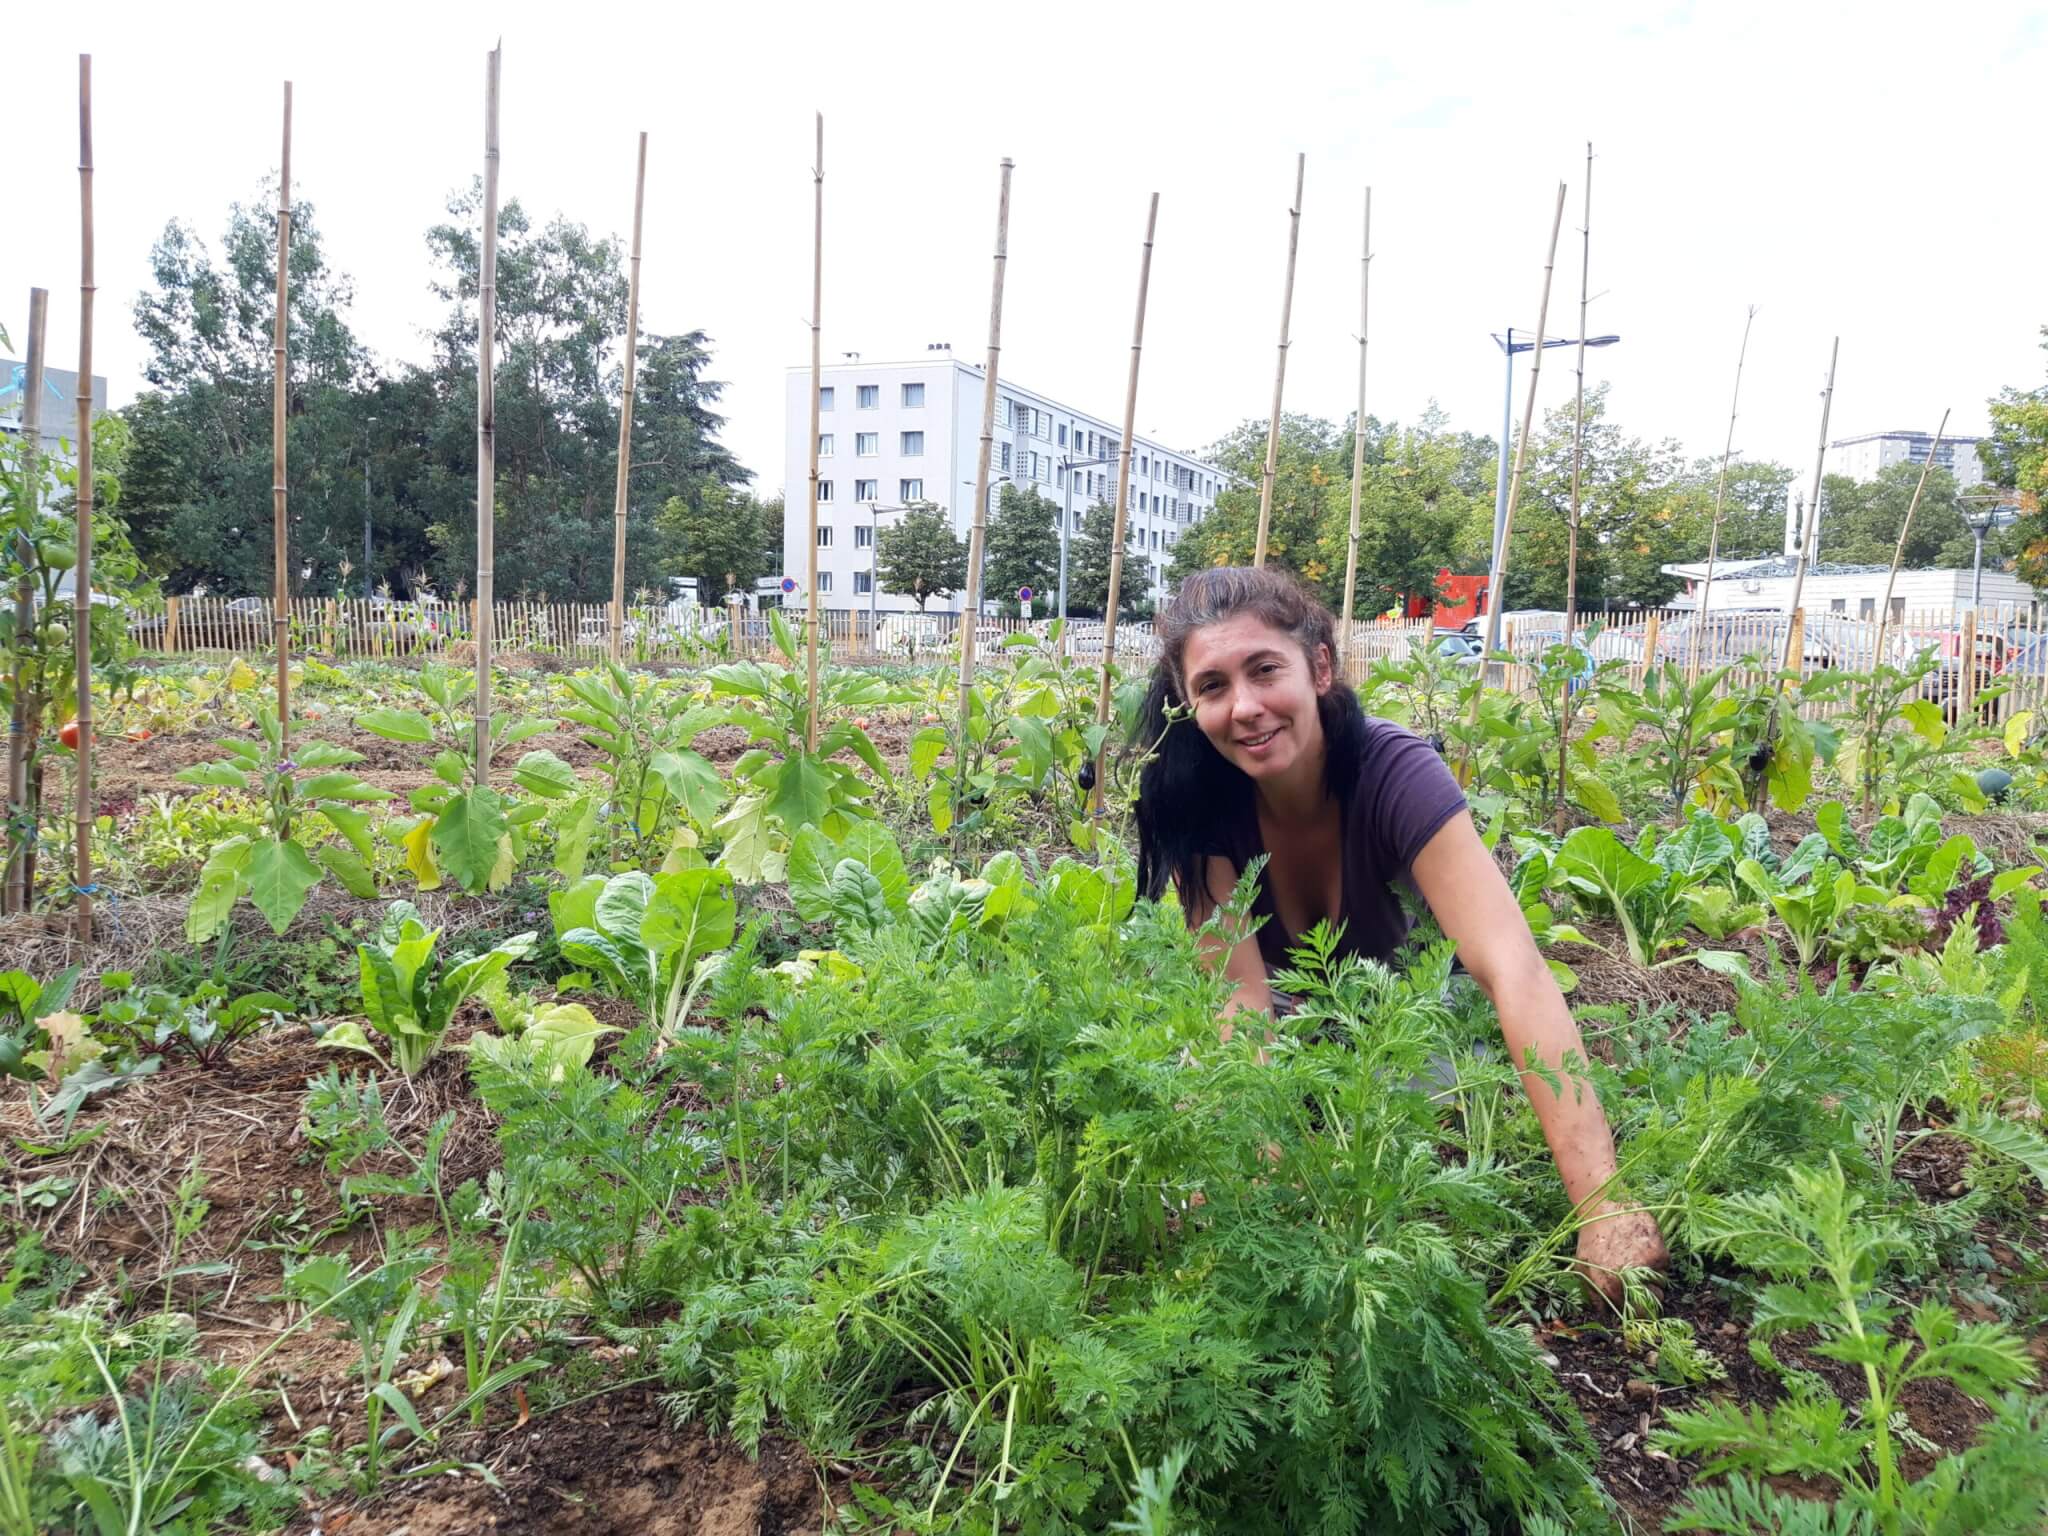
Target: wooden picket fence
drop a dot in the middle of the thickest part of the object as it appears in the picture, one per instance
(2007, 647)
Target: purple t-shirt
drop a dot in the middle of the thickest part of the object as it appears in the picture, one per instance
(1403, 797)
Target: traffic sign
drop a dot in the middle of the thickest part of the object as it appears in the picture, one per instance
(1023, 594)
(789, 583)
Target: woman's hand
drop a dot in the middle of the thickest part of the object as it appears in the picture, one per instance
(1617, 1237)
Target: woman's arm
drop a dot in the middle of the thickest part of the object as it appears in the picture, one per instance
(1475, 908)
(1241, 962)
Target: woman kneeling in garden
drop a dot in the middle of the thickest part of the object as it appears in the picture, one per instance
(1281, 761)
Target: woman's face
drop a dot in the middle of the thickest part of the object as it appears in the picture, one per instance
(1254, 694)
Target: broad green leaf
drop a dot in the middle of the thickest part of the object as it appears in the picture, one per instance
(623, 973)
(450, 768)
(803, 793)
(621, 907)
(576, 905)
(544, 774)
(875, 846)
(1833, 820)
(857, 904)
(213, 776)
(2006, 882)
(1696, 850)
(397, 725)
(2016, 732)
(692, 913)
(340, 786)
(926, 747)
(575, 824)
(351, 824)
(812, 857)
(470, 839)
(939, 800)
(1593, 794)
(279, 876)
(324, 754)
(1009, 887)
(559, 1035)
(1925, 718)
(220, 883)
(353, 874)
(693, 781)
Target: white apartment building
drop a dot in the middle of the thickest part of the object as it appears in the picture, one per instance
(891, 435)
(1864, 458)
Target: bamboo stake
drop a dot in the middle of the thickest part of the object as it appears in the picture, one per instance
(22, 817)
(811, 543)
(626, 411)
(1500, 555)
(1899, 549)
(486, 426)
(1123, 493)
(1806, 542)
(971, 611)
(280, 534)
(82, 883)
(1571, 559)
(1720, 495)
(1280, 369)
(1358, 436)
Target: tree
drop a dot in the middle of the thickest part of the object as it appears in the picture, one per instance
(1860, 521)
(920, 557)
(2016, 459)
(1023, 547)
(726, 539)
(1088, 557)
(1313, 454)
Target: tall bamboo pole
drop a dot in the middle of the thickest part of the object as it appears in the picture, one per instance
(1498, 575)
(1806, 542)
(970, 614)
(21, 816)
(1358, 435)
(1720, 494)
(812, 615)
(1571, 561)
(280, 527)
(1280, 369)
(1123, 490)
(1884, 612)
(81, 599)
(486, 423)
(626, 411)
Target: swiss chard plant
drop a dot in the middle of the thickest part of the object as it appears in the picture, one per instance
(1654, 889)
(270, 864)
(649, 938)
(460, 825)
(408, 996)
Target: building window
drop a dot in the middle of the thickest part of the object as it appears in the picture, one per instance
(1867, 608)
(1003, 452)
(824, 490)
(863, 537)
(913, 445)
(824, 581)
(867, 490)
(1059, 476)
(824, 445)
(867, 397)
(824, 397)
(867, 444)
(1041, 464)
(824, 536)
(1063, 436)
(1141, 501)
(910, 490)
(1041, 426)
(1838, 605)
(863, 582)
(913, 397)
(1142, 462)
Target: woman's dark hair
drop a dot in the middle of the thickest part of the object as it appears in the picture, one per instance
(1189, 791)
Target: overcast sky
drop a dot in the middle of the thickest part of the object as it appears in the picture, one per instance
(1862, 169)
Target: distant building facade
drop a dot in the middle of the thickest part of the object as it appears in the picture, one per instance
(60, 403)
(1867, 457)
(892, 435)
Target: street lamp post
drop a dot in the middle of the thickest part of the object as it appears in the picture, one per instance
(1980, 519)
(368, 422)
(1509, 347)
(875, 510)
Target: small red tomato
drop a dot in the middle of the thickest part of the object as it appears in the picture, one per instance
(931, 719)
(861, 721)
(68, 734)
(140, 733)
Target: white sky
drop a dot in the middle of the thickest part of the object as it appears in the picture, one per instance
(1863, 169)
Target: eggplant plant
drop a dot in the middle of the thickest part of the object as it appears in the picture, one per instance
(270, 864)
(461, 824)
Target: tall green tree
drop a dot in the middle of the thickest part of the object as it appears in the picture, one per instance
(920, 557)
(2016, 459)
(1860, 521)
(1023, 548)
(727, 539)
(1088, 558)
